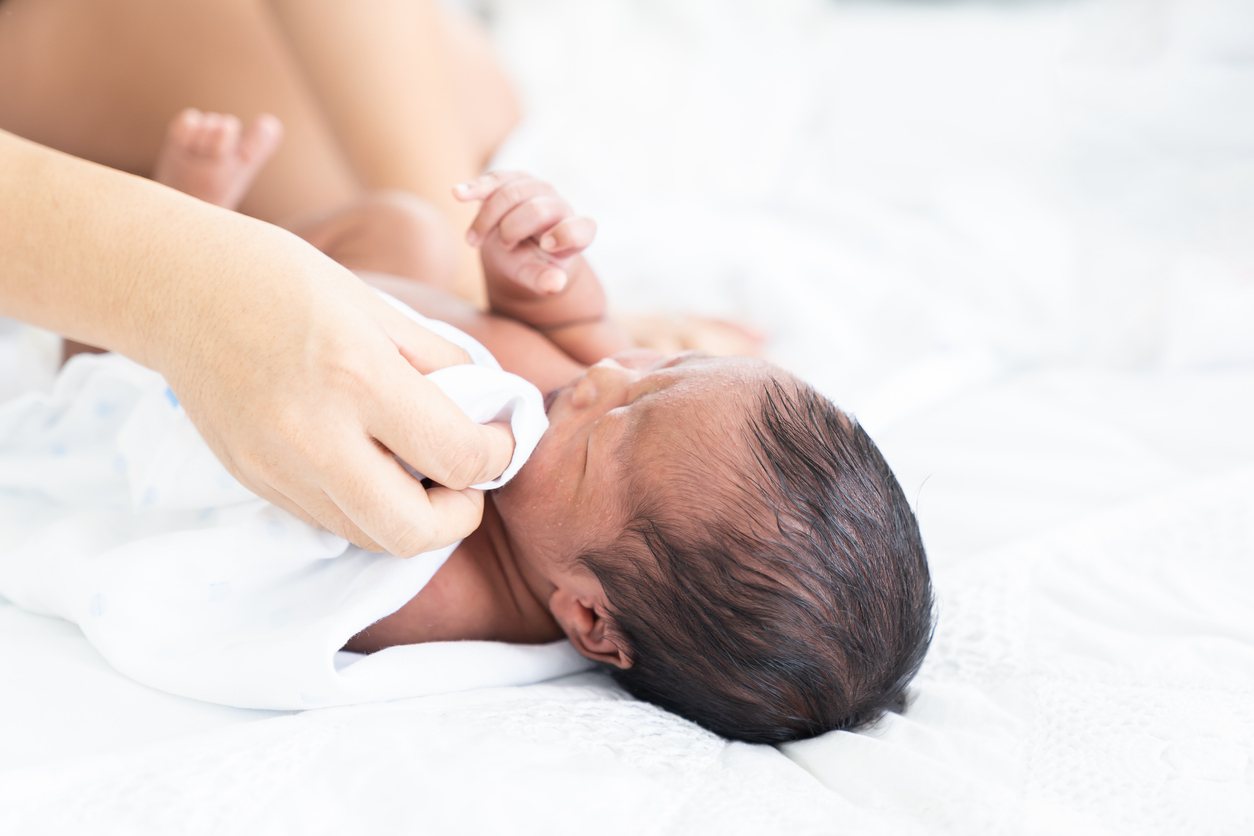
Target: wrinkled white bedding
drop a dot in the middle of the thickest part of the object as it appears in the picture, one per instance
(1016, 240)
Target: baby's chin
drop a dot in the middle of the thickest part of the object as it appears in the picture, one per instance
(550, 397)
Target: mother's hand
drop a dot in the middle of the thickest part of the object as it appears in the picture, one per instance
(302, 380)
(305, 397)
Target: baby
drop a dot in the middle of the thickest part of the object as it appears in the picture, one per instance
(729, 543)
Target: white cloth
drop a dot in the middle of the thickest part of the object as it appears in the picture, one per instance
(125, 523)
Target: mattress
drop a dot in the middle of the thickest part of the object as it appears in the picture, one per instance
(1014, 239)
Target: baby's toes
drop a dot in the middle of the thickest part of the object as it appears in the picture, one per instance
(185, 129)
(260, 139)
(219, 135)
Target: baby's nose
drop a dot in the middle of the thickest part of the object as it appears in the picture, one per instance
(610, 371)
(605, 364)
(604, 378)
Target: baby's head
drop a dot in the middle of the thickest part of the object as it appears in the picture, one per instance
(726, 539)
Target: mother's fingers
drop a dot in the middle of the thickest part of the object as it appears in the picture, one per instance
(313, 507)
(421, 348)
(358, 490)
(400, 411)
(418, 422)
(394, 510)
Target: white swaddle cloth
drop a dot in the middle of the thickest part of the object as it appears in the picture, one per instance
(115, 514)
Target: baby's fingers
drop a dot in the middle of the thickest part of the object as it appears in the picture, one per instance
(484, 185)
(569, 237)
(532, 218)
(542, 277)
(503, 199)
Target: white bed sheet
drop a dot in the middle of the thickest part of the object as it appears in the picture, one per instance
(1016, 240)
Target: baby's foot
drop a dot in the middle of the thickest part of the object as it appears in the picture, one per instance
(210, 156)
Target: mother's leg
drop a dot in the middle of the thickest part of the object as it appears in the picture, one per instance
(413, 94)
(101, 79)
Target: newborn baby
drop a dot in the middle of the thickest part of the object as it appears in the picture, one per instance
(722, 537)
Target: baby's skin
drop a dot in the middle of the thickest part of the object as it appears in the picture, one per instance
(614, 411)
(517, 577)
(214, 157)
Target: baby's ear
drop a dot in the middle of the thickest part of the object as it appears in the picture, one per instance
(587, 626)
(602, 645)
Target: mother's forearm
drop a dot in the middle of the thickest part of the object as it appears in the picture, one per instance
(114, 260)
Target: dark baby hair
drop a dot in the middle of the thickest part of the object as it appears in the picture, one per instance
(800, 605)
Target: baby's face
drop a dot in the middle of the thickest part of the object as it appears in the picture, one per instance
(622, 425)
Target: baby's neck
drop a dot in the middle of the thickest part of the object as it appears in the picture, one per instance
(478, 594)
(520, 613)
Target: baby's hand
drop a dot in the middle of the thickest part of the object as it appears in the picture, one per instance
(527, 235)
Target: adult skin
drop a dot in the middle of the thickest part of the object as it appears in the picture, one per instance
(302, 380)
(373, 94)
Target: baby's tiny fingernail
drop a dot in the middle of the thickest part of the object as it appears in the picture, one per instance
(463, 187)
(472, 238)
(552, 281)
(548, 242)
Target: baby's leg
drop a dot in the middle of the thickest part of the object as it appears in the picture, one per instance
(209, 156)
(391, 232)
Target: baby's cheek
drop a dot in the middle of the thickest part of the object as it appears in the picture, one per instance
(527, 484)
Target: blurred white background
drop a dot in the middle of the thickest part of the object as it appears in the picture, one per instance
(910, 196)
(1017, 240)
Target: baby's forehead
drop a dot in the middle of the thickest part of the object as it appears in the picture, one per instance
(705, 417)
(723, 382)
(703, 448)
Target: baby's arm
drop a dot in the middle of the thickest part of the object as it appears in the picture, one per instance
(546, 336)
(531, 243)
(461, 600)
